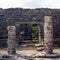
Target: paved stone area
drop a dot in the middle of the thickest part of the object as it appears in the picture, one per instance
(26, 55)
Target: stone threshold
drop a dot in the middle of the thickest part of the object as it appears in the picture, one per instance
(18, 56)
(54, 55)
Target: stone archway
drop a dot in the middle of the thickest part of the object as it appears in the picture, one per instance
(30, 23)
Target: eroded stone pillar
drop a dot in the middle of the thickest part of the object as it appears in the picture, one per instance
(48, 34)
(11, 40)
(40, 42)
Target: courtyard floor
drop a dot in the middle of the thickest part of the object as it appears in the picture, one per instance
(27, 51)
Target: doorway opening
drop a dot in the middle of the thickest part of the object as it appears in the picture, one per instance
(27, 34)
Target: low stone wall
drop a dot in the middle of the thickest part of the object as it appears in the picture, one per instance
(3, 42)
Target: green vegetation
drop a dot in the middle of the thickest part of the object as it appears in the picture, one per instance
(34, 29)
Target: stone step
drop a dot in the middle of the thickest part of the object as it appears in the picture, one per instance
(29, 41)
(39, 48)
(39, 45)
(29, 44)
(25, 45)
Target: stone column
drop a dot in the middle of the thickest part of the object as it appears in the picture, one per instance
(48, 34)
(11, 40)
(40, 42)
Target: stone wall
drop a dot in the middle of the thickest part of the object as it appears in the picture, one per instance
(10, 15)
(18, 14)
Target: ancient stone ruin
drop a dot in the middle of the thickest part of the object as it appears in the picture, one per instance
(48, 34)
(16, 25)
(11, 40)
(13, 15)
(48, 39)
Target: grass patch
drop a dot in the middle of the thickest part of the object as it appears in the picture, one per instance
(34, 29)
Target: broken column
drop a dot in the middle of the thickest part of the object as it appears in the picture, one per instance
(48, 34)
(11, 40)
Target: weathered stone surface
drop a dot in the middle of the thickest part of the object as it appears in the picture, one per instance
(40, 41)
(11, 40)
(9, 16)
(48, 34)
(19, 14)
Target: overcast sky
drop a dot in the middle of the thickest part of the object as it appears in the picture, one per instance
(30, 3)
